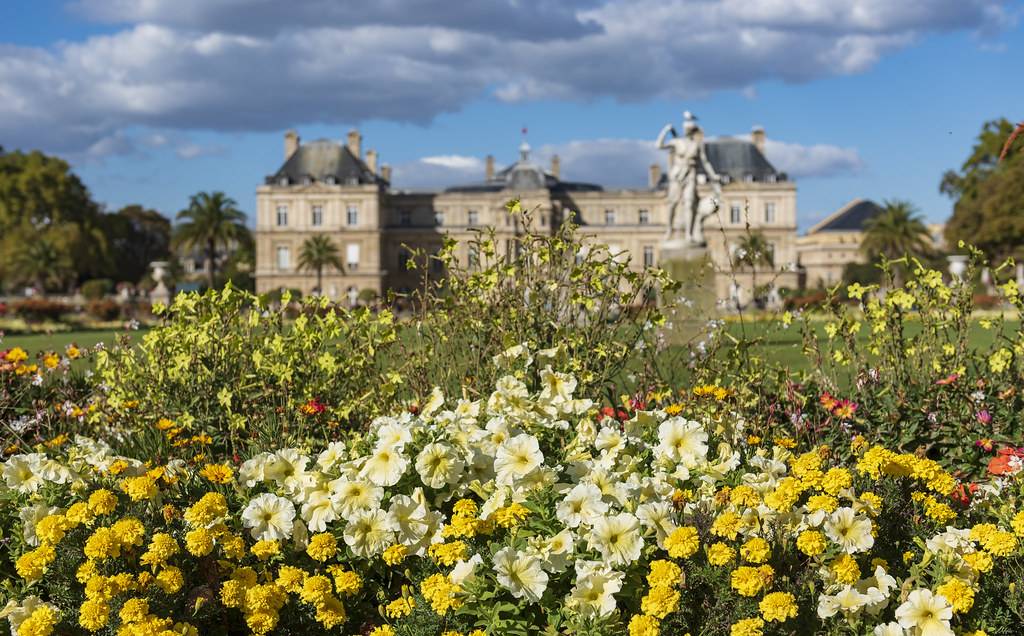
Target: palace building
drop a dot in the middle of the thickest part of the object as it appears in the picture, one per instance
(335, 189)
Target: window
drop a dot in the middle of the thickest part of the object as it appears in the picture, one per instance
(609, 217)
(284, 257)
(282, 215)
(352, 215)
(769, 212)
(404, 217)
(404, 256)
(735, 213)
(282, 181)
(648, 256)
(318, 215)
(438, 217)
(352, 256)
(472, 218)
(644, 217)
(307, 180)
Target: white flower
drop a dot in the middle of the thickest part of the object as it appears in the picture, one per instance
(353, 495)
(24, 472)
(433, 403)
(385, 466)
(16, 614)
(439, 464)
(30, 516)
(392, 434)
(465, 571)
(595, 586)
(288, 469)
(617, 538)
(331, 456)
(520, 574)
(889, 629)
(582, 505)
(407, 516)
(517, 458)
(254, 470)
(683, 441)
(558, 387)
(926, 613)
(850, 531)
(848, 601)
(320, 508)
(657, 516)
(269, 517)
(367, 532)
(555, 551)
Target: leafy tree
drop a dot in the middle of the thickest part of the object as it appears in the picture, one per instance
(317, 253)
(989, 194)
(896, 232)
(43, 262)
(754, 251)
(211, 220)
(137, 236)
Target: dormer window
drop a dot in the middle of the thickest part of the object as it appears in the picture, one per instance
(771, 178)
(332, 180)
(282, 181)
(352, 181)
(749, 178)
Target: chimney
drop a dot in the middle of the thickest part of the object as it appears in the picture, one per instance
(556, 167)
(654, 175)
(291, 143)
(355, 141)
(757, 136)
(489, 167)
(385, 172)
(371, 160)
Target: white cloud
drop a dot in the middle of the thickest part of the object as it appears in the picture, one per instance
(438, 172)
(817, 160)
(251, 65)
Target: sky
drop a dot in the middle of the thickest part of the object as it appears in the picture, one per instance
(154, 100)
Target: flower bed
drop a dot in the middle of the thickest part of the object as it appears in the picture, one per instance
(518, 513)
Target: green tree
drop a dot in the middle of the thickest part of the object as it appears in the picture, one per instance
(896, 232)
(210, 221)
(317, 253)
(989, 194)
(754, 251)
(137, 236)
(43, 262)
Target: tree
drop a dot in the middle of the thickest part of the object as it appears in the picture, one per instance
(989, 194)
(754, 251)
(137, 236)
(317, 253)
(43, 262)
(211, 220)
(896, 232)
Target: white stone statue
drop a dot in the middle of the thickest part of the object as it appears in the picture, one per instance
(160, 293)
(686, 210)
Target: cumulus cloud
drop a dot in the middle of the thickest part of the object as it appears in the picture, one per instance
(817, 160)
(257, 65)
(437, 172)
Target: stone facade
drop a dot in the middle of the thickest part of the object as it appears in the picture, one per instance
(327, 187)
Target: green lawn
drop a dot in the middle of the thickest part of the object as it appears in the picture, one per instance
(57, 341)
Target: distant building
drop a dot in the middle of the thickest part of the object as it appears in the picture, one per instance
(334, 189)
(829, 246)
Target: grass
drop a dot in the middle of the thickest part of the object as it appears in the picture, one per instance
(36, 342)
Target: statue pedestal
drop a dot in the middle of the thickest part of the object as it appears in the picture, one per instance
(695, 301)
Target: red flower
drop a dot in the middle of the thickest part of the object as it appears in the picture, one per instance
(949, 379)
(962, 494)
(844, 409)
(313, 407)
(984, 444)
(828, 401)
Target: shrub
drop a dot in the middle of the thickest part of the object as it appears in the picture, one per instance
(96, 288)
(106, 309)
(40, 309)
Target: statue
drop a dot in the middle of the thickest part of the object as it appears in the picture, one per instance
(686, 210)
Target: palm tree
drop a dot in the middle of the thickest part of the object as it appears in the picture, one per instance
(896, 232)
(317, 253)
(210, 221)
(754, 251)
(42, 262)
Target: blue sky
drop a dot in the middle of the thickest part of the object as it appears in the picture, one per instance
(152, 100)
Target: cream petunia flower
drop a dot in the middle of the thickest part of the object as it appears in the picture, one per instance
(385, 466)
(926, 614)
(583, 504)
(617, 537)
(439, 464)
(269, 517)
(517, 458)
(850, 531)
(683, 441)
(367, 533)
(521, 574)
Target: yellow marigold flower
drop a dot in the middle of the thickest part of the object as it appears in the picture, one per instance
(16, 355)
(664, 574)
(233, 546)
(51, 529)
(207, 511)
(51, 360)
(660, 601)
(102, 502)
(778, 607)
(747, 627)
(217, 473)
(1018, 524)
(170, 580)
(511, 515)
(726, 525)
(673, 409)
(102, 544)
(1000, 543)
(86, 571)
(162, 547)
(199, 542)
(641, 625)
(845, 569)
(959, 594)
(448, 553)
(441, 593)
(748, 581)
(785, 442)
(826, 503)
(395, 554)
(785, 495)
(134, 610)
(40, 622)
(139, 488)
(315, 589)
(465, 508)
(129, 531)
(346, 582)
(835, 480)
(872, 501)
(756, 550)
(290, 578)
(400, 607)
(909, 556)
(330, 613)
(720, 554)
(383, 630)
(682, 543)
(32, 565)
(744, 497)
(93, 615)
(265, 549)
(322, 546)
(79, 514)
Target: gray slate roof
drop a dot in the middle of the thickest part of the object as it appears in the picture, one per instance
(736, 160)
(525, 175)
(849, 218)
(324, 160)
